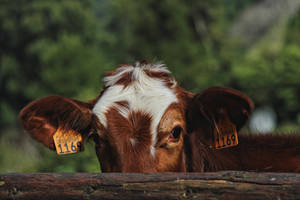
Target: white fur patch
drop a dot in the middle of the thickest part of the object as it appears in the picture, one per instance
(146, 94)
(132, 141)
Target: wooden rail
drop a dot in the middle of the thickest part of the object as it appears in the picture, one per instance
(220, 185)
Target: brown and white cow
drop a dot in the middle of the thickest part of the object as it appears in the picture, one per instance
(144, 122)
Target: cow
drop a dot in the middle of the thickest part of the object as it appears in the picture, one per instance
(143, 121)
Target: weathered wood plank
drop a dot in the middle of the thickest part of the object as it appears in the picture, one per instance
(221, 185)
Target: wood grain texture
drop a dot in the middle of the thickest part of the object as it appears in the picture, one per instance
(220, 185)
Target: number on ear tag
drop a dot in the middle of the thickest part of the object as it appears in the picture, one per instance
(67, 142)
(225, 134)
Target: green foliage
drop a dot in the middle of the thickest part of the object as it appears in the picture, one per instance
(10, 147)
(26, 155)
(272, 78)
(85, 161)
(48, 47)
(188, 36)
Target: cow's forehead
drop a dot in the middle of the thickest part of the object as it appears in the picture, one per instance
(145, 88)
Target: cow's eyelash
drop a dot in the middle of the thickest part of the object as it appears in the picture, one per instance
(176, 132)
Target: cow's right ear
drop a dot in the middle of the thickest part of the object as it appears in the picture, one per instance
(42, 118)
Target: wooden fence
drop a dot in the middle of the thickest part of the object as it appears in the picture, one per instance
(220, 185)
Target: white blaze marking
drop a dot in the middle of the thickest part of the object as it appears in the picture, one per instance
(144, 94)
(132, 141)
(111, 80)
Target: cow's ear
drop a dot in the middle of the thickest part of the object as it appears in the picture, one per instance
(218, 103)
(42, 118)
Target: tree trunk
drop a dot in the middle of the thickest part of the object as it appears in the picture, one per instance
(220, 185)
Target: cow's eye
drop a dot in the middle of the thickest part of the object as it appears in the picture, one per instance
(175, 133)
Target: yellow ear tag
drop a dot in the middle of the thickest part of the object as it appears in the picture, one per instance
(225, 134)
(67, 142)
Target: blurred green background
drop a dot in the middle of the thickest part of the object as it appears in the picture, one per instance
(65, 47)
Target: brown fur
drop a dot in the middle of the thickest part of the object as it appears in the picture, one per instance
(124, 145)
(165, 77)
(170, 151)
(119, 132)
(269, 153)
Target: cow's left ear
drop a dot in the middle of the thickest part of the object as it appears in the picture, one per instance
(215, 103)
(44, 117)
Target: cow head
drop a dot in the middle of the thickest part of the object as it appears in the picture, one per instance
(141, 119)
